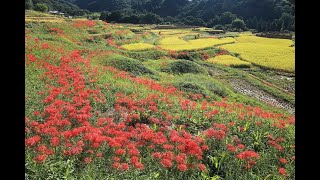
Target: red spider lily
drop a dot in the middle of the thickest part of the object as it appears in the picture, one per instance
(182, 167)
(40, 158)
(99, 154)
(156, 155)
(276, 145)
(283, 160)
(32, 141)
(45, 46)
(87, 160)
(116, 159)
(31, 57)
(247, 155)
(282, 171)
(218, 134)
(167, 163)
(202, 167)
(124, 166)
(241, 146)
(231, 148)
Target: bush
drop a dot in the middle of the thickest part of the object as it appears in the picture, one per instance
(128, 64)
(191, 87)
(41, 7)
(184, 66)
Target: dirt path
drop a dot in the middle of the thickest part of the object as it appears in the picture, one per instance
(272, 85)
(246, 88)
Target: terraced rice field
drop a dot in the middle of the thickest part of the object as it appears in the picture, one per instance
(138, 46)
(268, 56)
(178, 44)
(229, 61)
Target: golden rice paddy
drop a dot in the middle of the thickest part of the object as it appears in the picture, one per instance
(229, 61)
(178, 44)
(265, 55)
(138, 46)
(265, 41)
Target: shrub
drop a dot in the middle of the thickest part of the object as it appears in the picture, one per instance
(183, 66)
(128, 64)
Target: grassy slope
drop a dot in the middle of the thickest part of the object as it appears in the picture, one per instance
(99, 50)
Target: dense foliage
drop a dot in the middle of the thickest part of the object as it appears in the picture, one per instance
(263, 15)
(65, 6)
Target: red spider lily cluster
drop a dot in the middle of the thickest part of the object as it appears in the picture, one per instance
(205, 56)
(110, 42)
(67, 115)
(84, 23)
(222, 52)
(56, 31)
(248, 157)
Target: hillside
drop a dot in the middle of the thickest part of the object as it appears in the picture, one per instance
(124, 101)
(66, 6)
(260, 15)
(263, 15)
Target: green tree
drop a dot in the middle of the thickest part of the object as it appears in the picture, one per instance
(103, 15)
(41, 7)
(28, 4)
(227, 17)
(115, 16)
(151, 18)
(238, 24)
(287, 21)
